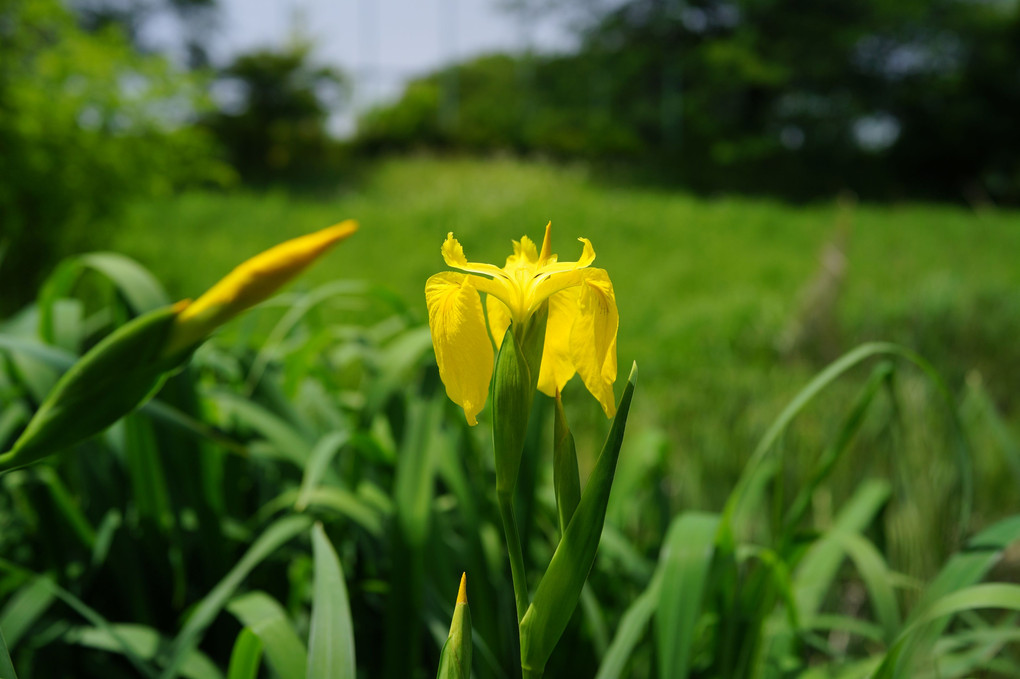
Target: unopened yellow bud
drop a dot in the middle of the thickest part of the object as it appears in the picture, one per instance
(250, 283)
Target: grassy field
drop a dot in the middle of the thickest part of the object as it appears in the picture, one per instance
(707, 287)
(730, 306)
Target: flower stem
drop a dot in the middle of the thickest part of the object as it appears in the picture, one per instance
(513, 547)
(529, 673)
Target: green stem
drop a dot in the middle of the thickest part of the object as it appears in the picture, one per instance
(529, 673)
(513, 547)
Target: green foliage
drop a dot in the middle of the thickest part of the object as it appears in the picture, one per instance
(885, 98)
(86, 123)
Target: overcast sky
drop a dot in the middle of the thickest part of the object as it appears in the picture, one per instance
(381, 43)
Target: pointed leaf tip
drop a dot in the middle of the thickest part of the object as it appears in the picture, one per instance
(462, 592)
(632, 378)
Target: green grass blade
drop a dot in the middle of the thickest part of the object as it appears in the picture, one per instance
(331, 637)
(686, 561)
(631, 629)
(84, 610)
(560, 587)
(144, 642)
(817, 570)
(318, 463)
(566, 478)
(964, 569)
(246, 657)
(877, 579)
(918, 633)
(339, 500)
(279, 533)
(139, 288)
(816, 386)
(53, 357)
(285, 653)
(6, 666)
(851, 425)
(287, 440)
(24, 608)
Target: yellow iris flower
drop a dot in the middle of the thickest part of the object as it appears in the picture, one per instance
(580, 334)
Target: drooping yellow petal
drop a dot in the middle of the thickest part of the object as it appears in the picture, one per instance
(557, 361)
(593, 337)
(250, 283)
(499, 318)
(463, 351)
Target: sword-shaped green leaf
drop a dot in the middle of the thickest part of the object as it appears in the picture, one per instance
(558, 591)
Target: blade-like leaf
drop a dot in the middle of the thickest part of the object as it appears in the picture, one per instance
(246, 657)
(24, 608)
(560, 587)
(6, 666)
(261, 613)
(318, 463)
(209, 607)
(686, 563)
(331, 639)
(145, 642)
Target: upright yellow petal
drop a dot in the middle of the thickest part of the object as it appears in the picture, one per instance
(252, 282)
(557, 361)
(463, 350)
(525, 255)
(453, 255)
(547, 254)
(593, 337)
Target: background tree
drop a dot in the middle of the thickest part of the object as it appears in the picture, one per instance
(798, 98)
(86, 124)
(276, 125)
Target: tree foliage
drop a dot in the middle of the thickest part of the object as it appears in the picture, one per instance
(86, 123)
(799, 98)
(276, 126)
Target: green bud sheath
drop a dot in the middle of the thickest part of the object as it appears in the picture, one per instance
(455, 661)
(512, 394)
(566, 479)
(109, 381)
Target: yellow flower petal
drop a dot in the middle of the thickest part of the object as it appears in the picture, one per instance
(525, 256)
(593, 337)
(557, 361)
(499, 318)
(453, 255)
(547, 253)
(252, 282)
(463, 350)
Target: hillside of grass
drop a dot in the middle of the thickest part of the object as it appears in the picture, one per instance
(728, 304)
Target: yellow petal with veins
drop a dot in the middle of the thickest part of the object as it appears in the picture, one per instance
(593, 337)
(463, 351)
(557, 362)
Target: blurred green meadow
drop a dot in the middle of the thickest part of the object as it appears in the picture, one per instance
(715, 294)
